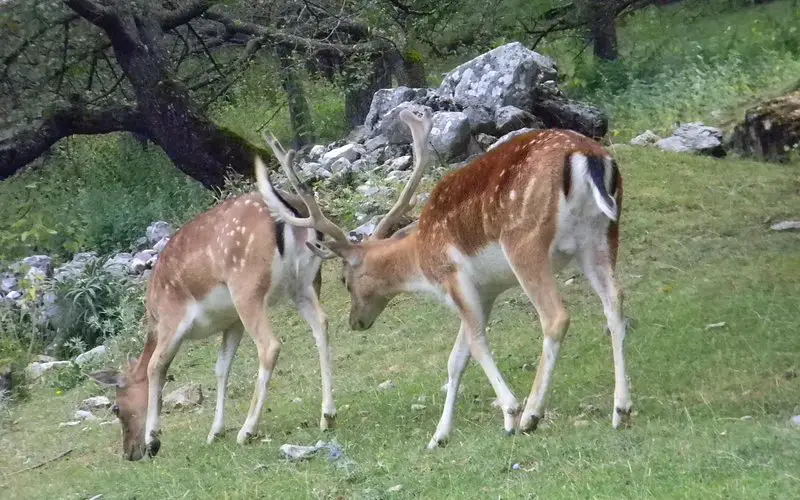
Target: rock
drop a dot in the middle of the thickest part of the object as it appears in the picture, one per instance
(646, 138)
(770, 130)
(157, 230)
(795, 421)
(418, 407)
(184, 397)
(580, 423)
(161, 244)
(74, 268)
(35, 370)
(694, 138)
(481, 120)
(140, 261)
(341, 166)
(364, 230)
(35, 275)
(714, 326)
(296, 452)
(402, 163)
(559, 112)
(376, 142)
(140, 243)
(393, 128)
(374, 191)
(510, 136)
(349, 152)
(386, 99)
(14, 295)
(94, 354)
(316, 152)
(505, 76)
(358, 165)
(485, 141)
(95, 403)
(84, 415)
(450, 134)
(357, 135)
(398, 176)
(297, 401)
(387, 385)
(118, 264)
(394, 489)
(8, 284)
(40, 262)
(511, 118)
(787, 225)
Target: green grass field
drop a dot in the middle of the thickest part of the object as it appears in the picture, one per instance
(697, 250)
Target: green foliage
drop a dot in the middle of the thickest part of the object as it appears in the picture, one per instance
(98, 193)
(95, 307)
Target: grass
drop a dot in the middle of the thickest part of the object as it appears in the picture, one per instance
(696, 250)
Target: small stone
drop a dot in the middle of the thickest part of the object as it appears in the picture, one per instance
(161, 244)
(418, 407)
(157, 230)
(402, 163)
(712, 326)
(795, 421)
(95, 402)
(297, 401)
(747, 418)
(299, 452)
(36, 370)
(91, 355)
(581, 423)
(8, 284)
(340, 165)
(646, 138)
(570, 281)
(787, 225)
(14, 295)
(515, 467)
(394, 489)
(485, 141)
(387, 385)
(184, 397)
(316, 152)
(84, 415)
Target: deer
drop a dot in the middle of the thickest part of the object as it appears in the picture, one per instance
(514, 216)
(221, 273)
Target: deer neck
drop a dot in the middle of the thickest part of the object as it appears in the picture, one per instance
(397, 260)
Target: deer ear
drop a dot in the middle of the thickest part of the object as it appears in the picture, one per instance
(108, 378)
(353, 254)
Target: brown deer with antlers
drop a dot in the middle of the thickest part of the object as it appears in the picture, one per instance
(514, 216)
(220, 273)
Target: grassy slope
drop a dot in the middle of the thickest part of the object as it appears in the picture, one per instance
(696, 251)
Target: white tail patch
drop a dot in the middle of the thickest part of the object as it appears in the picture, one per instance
(277, 209)
(599, 186)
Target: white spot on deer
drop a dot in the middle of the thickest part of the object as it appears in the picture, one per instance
(235, 259)
(231, 233)
(249, 242)
(512, 195)
(248, 201)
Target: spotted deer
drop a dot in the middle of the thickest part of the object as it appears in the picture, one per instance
(221, 272)
(513, 216)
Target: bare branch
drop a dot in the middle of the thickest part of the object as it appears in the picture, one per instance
(100, 16)
(173, 18)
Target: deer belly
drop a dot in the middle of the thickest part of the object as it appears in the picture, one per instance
(210, 315)
(489, 267)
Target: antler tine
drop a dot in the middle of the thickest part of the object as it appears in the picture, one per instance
(420, 130)
(316, 218)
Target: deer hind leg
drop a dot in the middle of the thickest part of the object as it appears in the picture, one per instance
(536, 277)
(597, 264)
(252, 309)
(310, 309)
(473, 319)
(225, 354)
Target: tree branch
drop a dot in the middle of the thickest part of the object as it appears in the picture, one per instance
(26, 145)
(100, 16)
(173, 18)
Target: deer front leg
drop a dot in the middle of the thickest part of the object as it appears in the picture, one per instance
(459, 357)
(156, 373)
(310, 309)
(468, 302)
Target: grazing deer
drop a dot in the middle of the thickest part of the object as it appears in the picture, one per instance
(220, 273)
(514, 216)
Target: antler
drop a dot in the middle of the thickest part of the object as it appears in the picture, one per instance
(420, 129)
(316, 218)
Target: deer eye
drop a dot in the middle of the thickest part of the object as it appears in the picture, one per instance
(115, 409)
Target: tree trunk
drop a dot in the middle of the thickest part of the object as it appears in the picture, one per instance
(359, 96)
(299, 113)
(603, 28)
